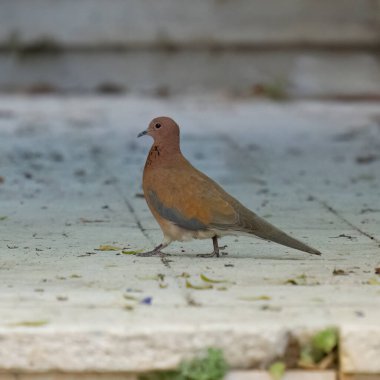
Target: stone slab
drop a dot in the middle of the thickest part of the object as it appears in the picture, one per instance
(71, 179)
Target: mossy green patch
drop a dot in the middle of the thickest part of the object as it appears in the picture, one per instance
(320, 352)
(210, 366)
(277, 370)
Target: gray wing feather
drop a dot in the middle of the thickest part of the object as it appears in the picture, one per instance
(174, 216)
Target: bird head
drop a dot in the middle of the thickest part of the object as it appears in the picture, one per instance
(162, 129)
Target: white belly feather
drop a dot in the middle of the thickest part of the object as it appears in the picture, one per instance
(176, 233)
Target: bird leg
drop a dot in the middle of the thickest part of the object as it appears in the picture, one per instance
(155, 252)
(216, 249)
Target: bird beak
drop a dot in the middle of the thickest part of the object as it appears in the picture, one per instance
(142, 133)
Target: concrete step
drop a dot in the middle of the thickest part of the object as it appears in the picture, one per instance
(202, 22)
(234, 375)
(269, 74)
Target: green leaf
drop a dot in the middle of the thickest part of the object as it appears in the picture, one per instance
(108, 248)
(277, 370)
(299, 280)
(38, 323)
(339, 272)
(3, 217)
(189, 285)
(207, 279)
(129, 297)
(131, 252)
(257, 298)
(326, 340)
(373, 281)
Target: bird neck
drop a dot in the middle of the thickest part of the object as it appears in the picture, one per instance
(163, 153)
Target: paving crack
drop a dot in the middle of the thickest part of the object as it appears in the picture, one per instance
(343, 219)
(238, 148)
(114, 179)
(133, 212)
(233, 144)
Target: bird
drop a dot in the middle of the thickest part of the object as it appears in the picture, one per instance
(187, 204)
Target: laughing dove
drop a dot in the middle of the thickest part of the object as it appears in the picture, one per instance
(189, 205)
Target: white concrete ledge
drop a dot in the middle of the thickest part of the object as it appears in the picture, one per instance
(241, 22)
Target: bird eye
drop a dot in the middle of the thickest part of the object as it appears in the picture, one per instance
(158, 125)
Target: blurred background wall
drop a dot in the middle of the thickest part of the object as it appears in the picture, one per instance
(275, 48)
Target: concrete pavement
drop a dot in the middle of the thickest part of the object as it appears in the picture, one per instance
(71, 183)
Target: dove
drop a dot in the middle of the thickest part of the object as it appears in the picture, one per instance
(187, 204)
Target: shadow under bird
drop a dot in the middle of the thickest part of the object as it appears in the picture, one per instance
(187, 204)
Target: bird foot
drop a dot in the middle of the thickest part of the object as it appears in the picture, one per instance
(155, 252)
(208, 255)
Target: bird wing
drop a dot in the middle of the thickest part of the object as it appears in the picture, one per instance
(194, 201)
(190, 199)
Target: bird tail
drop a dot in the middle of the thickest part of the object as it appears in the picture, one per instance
(282, 238)
(255, 225)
